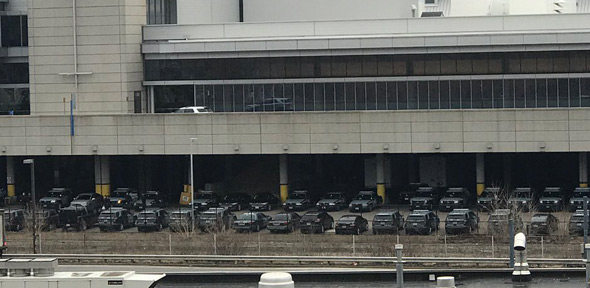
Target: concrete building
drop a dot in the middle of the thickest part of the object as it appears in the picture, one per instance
(319, 95)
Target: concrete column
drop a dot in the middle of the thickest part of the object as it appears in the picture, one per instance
(480, 173)
(102, 175)
(284, 177)
(10, 179)
(380, 162)
(583, 169)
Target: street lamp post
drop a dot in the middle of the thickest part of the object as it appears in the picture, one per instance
(192, 141)
(33, 202)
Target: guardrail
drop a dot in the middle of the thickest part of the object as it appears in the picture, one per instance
(222, 260)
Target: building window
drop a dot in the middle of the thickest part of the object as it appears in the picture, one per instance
(161, 12)
(430, 2)
(14, 30)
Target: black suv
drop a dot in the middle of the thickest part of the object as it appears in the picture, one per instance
(251, 221)
(14, 219)
(543, 224)
(150, 199)
(264, 202)
(352, 224)
(152, 219)
(422, 222)
(122, 197)
(76, 217)
(461, 221)
(454, 198)
(284, 222)
(115, 219)
(425, 198)
(235, 201)
(388, 222)
(56, 198)
(577, 200)
(298, 201)
(181, 220)
(522, 198)
(92, 201)
(577, 223)
(332, 201)
(316, 222)
(488, 200)
(552, 200)
(205, 200)
(365, 201)
(499, 219)
(408, 193)
(215, 219)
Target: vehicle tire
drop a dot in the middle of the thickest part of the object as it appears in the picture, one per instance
(429, 230)
(121, 227)
(358, 231)
(83, 225)
(160, 227)
(322, 229)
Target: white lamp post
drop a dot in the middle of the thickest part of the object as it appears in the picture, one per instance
(33, 202)
(192, 141)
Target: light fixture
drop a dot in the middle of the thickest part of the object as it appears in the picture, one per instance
(48, 149)
(285, 147)
(3, 149)
(437, 146)
(236, 148)
(489, 145)
(140, 148)
(94, 148)
(385, 147)
(335, 147)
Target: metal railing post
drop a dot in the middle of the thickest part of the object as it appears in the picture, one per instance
(586, 248)
(511, 236)
(399, 266)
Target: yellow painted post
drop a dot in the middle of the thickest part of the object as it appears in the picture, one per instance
(480, 188)
(583, 185)
(283, 177)
(11, 190)
(480, 173)
(284, 192)
(381, 191)
(10, 179)
(103, 189)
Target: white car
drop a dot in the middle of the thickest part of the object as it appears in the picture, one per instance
(194, 109)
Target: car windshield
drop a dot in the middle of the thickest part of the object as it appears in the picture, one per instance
(581, 193)
(383, 217)
(539, 218)
(204, 110)
(119, 194)
(424, 193)
(347, 219)
(261, 197)
(455, 194)
(280, 217)
(333, 196)
(147, 215)
(456, 217)
(364, 196)
(415, 218)
(298, 196)
(247, 216)
(203, 196)
(54, 194)
(552, 194)
(521, 194)
(84, 197)
(309, 217)
(499, 217)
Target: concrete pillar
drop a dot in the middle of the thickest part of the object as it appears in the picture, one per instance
(583, 169)
(102, 175)
(380, 162)
(480, 173)
(284, 177)
(10, 179)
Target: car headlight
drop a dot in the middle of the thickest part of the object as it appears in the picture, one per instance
(523, 201)
(298, 204)
(456, 202)
(53, 201)
(571, 201)
(332, 204)
(556, 201)
(350, 205)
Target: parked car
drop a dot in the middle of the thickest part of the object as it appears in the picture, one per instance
(543, 224)
(284, 222)
(126, 191)
(522, 199)
(409, 192)
(461, 221)
(352, 224)
(386, 222)
(122, 197)
(152, 219)
(365, 201)
(332, 201)
(576, 225)
(205, 200)
(552, 200)
(56, 198)
(76, 217)
(488, 200)
(48, 219)
(425, 198)
(272, 104)
(215, 219)
(181, 220)
(194, 110)
(251, 221)
(577, 200)
(115, 219)
(316, 222)
(422, 222)
(235, 201)
(499, 220)
(14, 219)
(150, 199)
(454, 198)
(299, 200)
(264, 201)
(92, 201)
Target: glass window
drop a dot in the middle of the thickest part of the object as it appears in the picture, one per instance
(391, 88)
(464, 65)
(353, 66)
(400, 66)
(530, 93)
(14, 73)
(14, 31)
(418, 66)
(432, 65)
(324, 67)
(299, 99)
(292, 67)
(161, 12)
(513, 63)
(339, 66)
(369, 66)
(350, 96)
(544, 63)
(585, 92)
(239, 98)
(433, 95)
(495, 64)
(465, 94)
(307, 67)
(412, 95)
(577, 61)
(218, 101)
(519, 91)
(169, 98)
(480, 64)
(382, 97)
(551, 91)
(528, 63)
(318, 97)
(445, 94)
(455, 95)
(228, 98)
(561, 63)
(402, 95)
(361, 96)
(339, 96)
(371, 88)
(574, 92)
(486, 94)
(476, 95)
(541, 92)
(563, 92)
(279, 92)
(509, 93)
(309, 96)
(498, 93)
(384, 66)
(448, 65)
(277, 68)
(329, 96)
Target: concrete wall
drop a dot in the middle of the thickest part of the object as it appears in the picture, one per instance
(17, 7)
(109, 41)
(207, 11)
(314, 10)
(525, 130)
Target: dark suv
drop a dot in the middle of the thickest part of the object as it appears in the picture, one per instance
(115, 219)
(48, 219)
(122, 197)
(56, 198)
(332, 201)
(499, 219)
(205, 200)
(422, 222)
(251, 221)
(298, 201)
(215, 219)
(77, 217)
(264, 202)
(552, 200)
(488, 200)
(316, 222)
(388, 222)
(14, 219)
(461, 221)
(92, 201)
(352, 224)
(181, 220)
(365, 201)
(425, 198)
(150, 199)
(577, 200)
(235, 201)
(454, 198)
(577, 223)
(543, 224)
(409, 192)
(152, 219)
(522, 199)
